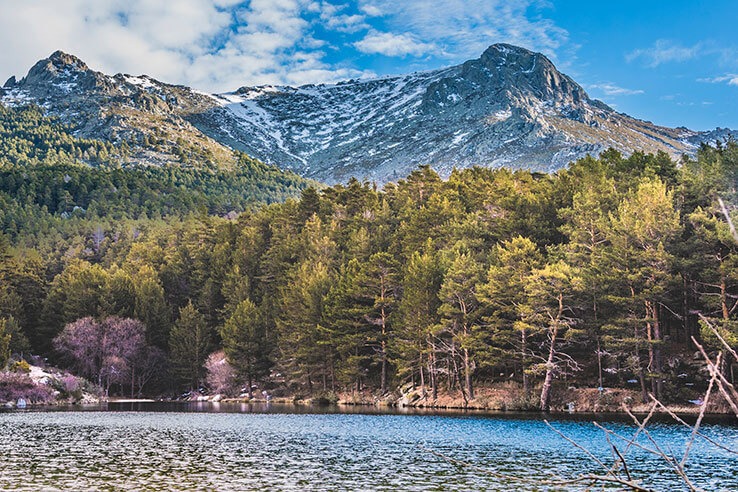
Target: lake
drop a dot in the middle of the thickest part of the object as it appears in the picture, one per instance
(282, 447)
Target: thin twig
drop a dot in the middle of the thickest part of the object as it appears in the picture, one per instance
(620, 457)
(703, 436)
(628, 441)
(557, 481)
(696, 427)
(578, 446)
(669, 459)
(717, 334)
(727, 389)
(727, 217)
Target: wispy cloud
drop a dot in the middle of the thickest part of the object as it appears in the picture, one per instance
(610, 89)
(335, 18)
(664, 51)
(669, 51)
(389, 44)
(464, 28)
(220, 45)
(730, 79)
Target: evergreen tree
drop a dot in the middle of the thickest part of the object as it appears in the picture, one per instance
(504, 294)
(460, 310)
(414, 339)
(151, 307)
(551, 294)
(306, 351)
(245, 343)
(189, 345)
(638, 256)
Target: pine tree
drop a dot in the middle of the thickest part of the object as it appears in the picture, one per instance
(460, 311)
(189, 344)
(504, 293)
(638, 257)
(151, 307)
(245, 343)
(413, 340)
(306, 351)
(551, 294)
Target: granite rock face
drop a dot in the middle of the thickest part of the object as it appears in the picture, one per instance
(510, 107)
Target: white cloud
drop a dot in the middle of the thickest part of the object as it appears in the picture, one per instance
(730, 79)
(372, 10)
(463, 29)
(385, 43)
(213, 45)
(665, 51)
(610, 89)
(219, 45)
(347, 23)
(333, 20)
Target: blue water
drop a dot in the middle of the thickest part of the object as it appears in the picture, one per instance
(283, 448)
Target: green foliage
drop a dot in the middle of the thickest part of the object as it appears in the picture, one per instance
(189, 343)
(5, 338)
(245, 343)
(52, 181)
(20, 366)
(443, 284)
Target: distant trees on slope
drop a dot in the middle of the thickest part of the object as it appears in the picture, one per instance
(593, 275)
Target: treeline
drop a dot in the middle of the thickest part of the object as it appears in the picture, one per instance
(595, 275)
(54, 185)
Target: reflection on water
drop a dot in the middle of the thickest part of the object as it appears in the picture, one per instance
(283, 447)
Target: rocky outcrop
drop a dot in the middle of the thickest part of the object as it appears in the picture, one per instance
(510, 107)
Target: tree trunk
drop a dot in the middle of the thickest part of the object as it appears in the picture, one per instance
(467, 375)
(657, 353)
(599, 364)
(422, 377)
(642, 378)
(724, 298)
(432, 369)
(384, 366)
(653, 334)
(523, 361)
(546, 390)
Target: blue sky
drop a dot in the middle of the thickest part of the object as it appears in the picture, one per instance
(671, 62)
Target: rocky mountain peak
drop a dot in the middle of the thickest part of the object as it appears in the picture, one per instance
(501, 54)
(58, 65)
(525, 71)
(61, 60)
(510, 107)
(59, 75)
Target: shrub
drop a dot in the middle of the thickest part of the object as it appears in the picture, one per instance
(220, 375)
(326, 398)
(20, 366)
(68, 387)
(16, 385)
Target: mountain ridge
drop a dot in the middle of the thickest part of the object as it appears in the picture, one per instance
(510, 107)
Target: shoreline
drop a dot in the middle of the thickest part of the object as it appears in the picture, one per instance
(381, 408)
(570, 401)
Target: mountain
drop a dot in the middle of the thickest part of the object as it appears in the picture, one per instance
(146, 115)
(510, 107)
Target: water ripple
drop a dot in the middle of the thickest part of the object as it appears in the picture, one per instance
(281, 451)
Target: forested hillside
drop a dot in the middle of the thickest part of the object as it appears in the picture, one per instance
(593, 276)
(53, 183)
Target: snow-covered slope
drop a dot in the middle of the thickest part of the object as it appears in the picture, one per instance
(510, 107)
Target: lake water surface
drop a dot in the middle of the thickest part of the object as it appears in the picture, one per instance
(242, 447)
